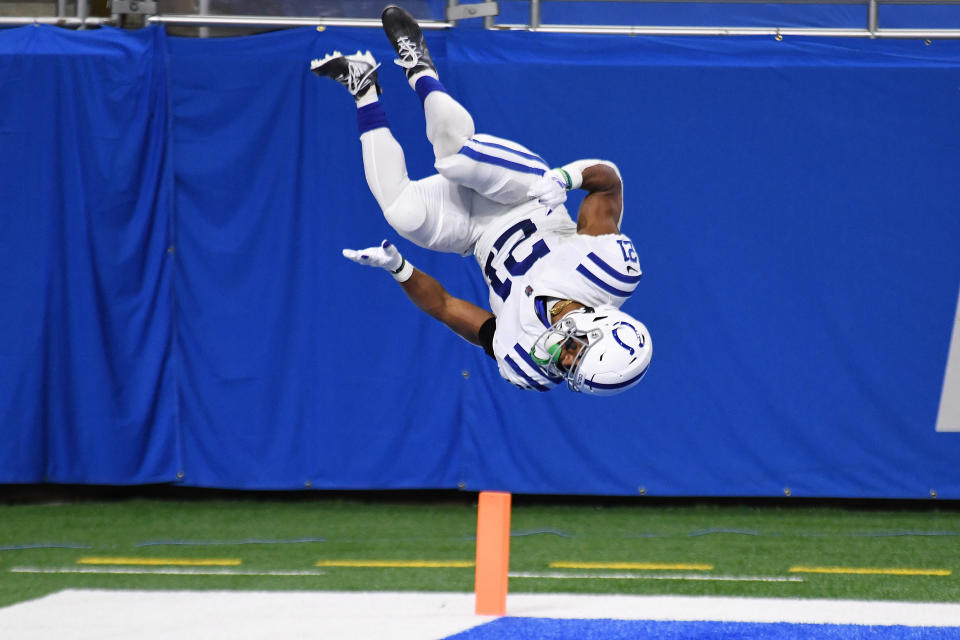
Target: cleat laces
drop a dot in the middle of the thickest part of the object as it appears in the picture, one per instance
(409, 55)
(357, 76)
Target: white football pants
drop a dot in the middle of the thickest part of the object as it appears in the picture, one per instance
(480, 179)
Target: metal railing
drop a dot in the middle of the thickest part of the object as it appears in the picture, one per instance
(278, 22)
(80, 20)
(870, 30)
(488, 11)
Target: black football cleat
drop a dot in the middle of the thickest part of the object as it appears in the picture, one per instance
(356, 72)
(407, 39)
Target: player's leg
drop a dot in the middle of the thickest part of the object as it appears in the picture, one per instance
(412, 208)
(498, 169)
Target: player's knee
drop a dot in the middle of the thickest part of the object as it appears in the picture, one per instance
(448, 140)
(406, 214)
(449, 125)
(448, 144)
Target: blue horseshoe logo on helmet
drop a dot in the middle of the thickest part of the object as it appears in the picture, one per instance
(621, 342)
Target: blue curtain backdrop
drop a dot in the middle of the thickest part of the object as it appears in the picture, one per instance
(175, 307)
(87, 390)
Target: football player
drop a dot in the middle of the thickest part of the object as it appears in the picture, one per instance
(555, 285)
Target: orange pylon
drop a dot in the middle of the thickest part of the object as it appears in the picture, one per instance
(493, 553)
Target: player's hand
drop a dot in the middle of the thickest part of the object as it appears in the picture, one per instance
(550, 189)
(385, 256)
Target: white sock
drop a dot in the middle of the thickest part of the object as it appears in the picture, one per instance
(367, 97)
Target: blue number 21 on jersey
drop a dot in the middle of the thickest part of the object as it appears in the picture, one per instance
(513, 266)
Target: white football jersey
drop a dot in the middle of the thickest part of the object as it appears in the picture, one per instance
(527, 265)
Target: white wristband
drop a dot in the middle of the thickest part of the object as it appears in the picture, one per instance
(575, 170)
(403, 273)
(574, 175)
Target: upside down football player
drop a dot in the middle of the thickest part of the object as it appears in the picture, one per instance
(555, 286)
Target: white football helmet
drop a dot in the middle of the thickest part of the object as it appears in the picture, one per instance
(615, 350)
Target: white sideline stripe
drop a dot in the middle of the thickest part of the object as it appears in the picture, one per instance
(253, 615)
(650, 576)
(239, 615)
(165, 571)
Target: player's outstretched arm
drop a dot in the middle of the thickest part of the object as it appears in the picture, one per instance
(464, 318)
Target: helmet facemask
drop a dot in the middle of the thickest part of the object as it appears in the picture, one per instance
(548, 349)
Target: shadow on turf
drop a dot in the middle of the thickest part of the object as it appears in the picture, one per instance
(54, 493)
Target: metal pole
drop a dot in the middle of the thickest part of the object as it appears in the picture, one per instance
(872, 18)
(203, 8)
(61, 8)
(534, 14)
(279, 22)
(488, 22)
(735, 31)
(83, 11)
(450, 5)
(67, 21)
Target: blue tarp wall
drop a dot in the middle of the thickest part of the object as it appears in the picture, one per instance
(174, 307)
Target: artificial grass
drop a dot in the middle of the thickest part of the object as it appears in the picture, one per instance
(292, 535)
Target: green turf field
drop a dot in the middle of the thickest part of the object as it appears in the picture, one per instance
(686, 547)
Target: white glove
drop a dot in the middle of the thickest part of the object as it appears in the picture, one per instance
(385, 256)
(551, 188)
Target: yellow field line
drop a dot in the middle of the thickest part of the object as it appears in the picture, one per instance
(394, 564)
(872, 571)
(641, 566)
(179, 562)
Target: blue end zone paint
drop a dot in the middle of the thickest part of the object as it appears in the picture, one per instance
(551, 629)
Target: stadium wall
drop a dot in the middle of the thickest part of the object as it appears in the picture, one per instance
(175, 308)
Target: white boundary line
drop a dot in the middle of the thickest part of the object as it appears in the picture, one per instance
(165, 571)
(92, 614)
(551, 575)
(548, 575)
